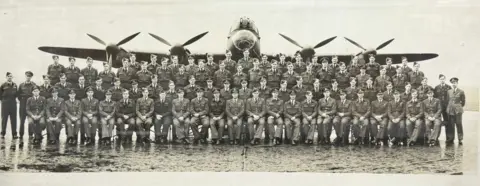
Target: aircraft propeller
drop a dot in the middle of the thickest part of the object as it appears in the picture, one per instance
(113, 49)
(179, 49)
(308, 51)
(367, 51)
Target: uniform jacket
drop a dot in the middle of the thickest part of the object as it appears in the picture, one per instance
(190, 91)
(202, 75)
(36, 106)
(416, 77)
(300, 92)
(292, 109)
(237, 79)
(230, 65)
(441, 92)
(254, 75)
(379, 108)
(181, 108)
(25, 90)
(220, 76)
(126, 107)
(274, 77)
(456, 101)
(72, 73)
(235, 107)
(344, 107)
(432, 108)
(217, 108)
(144, 107)
(372, 69)
(199, 106)
(307, 77)
(422, 92)
(247, 64)
(414, 109)
(381, 82)
(90, 74)
(154, 91)
(362, 79)
(46, 90)
(80, 91)
(181, 80)
(54, 71)
(370, 93)
(163, 107)
(327, 106)
(8, 91)
(107, 108)
(244, 93)
(73, 108)
(391, 70)
(351, 93)
(256, 107)
(343, 79)
(361, 108)
(211, 66)
(107, 78)
(388, 95)
(55, 107)
(99, 93)
(317, 93)
(164, 74)
(396, 109)
(63, 89)
(399, 82)
(309, 108)
(144, 78)
(117, 93)
(225, 94)
(291, 78)
(90, 106)
(264, 92)
(274, 106)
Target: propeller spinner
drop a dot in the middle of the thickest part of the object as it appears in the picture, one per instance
(369, 51)
(307, 51)
(179, 49)
(113, 50)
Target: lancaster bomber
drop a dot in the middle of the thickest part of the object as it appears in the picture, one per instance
(243, 35)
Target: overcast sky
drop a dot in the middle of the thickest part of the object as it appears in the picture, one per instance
(447, 27)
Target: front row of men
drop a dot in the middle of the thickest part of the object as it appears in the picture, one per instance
(375, 122)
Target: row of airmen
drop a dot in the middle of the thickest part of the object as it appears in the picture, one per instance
(457, 97)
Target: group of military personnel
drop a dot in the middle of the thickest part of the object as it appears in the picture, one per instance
(376, 105)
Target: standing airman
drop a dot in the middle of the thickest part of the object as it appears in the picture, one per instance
(372, 67)
(63, 86)
(54, 70)
(256, 110)
(238, 77)
(292, 111)
(54, 111)
(217, 117)
(117, 90)
(235, 108)
(416, 76)
(309, 113)
(25, 90)
(327, 108)
(144, 109)
(90, 120)
(399, 80)
(342, 77)
(46, 88)
(274, 75)
(423, 89)
(456, 102)
(90, 73)
(255, 74)
(72, 72)
(73, 118)
(164, 74)
(441, 93)
(36, 114)
(144, 75)
(221, 75)
(246, 62)
(162, 117)
(290, 76)
(106, 110)
(107, 76)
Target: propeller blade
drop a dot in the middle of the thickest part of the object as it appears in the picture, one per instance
(127, 39)
(160, 39)
(291, 40)
(384, 44)
(194, 39)
(324, 42)
(355, 43)
(97, 39)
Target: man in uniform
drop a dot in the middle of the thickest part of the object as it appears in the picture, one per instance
(106, 110)
(63, 86)
(174, 66)
(282, 64)
(208, 93)
(73, 118)
(441, 93)
(217, 119)
(181, 78)
(125, 112)
(80, 88)
(171, 93)
(221, 75)
(274, 106)
(342, 77)
(235, 108)
(352, 90)
(225, 93)
(316, 90)
(191, 68)
(274, 75)
(144, 109)
(135, 92)
(255, 74)
(396, 123)
(144, 75)
(199, 110)
(246, 62)
(327, 108)
(89, 120)
(117, 90)
(370, 92)
(134, 65)
(264, 89)
(341, 122)
(308, 77)
(162, 117)
(407, 94)
(98, 91)
(154, 89)
(292, 111)
(361, 113)
(381, 81)
(390, 69)
(181, 112)
(405, 68)
(202, 74)
(354, 67)
(372, 67)
(423, 89)
(238, 77)
(46, 88)
(24, 92)
(264, 64)
(334, 65)
(456, 102)
(191, 89)
(210, 64)
(379, 121)
(283, 92)
(399, 80)
(388, 94)
(230, 64)
(107, 76)
(416, 76)
(290, 76)
(335, 91)
(54, 111)
(152, 67)
(164, 74)
(244, 93)
(299, 65)
(309, 113)
(300, 89)
(433, 109)
(72, 72)
(256, 110)
(36, 114)
(414, 113)
(90, 73)
(54, 70)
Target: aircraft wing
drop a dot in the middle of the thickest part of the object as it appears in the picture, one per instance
(95, 54)
(381, 58)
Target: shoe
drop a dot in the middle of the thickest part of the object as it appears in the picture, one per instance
(460, 142)
(252, 142)
(294, 142)
(3, 137)
(236, 142)
(15, 137)
(147, 140)
(185, 141)
(196, 141)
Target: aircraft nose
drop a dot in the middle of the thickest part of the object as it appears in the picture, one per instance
(244, 44)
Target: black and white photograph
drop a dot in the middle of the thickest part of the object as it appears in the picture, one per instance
(279, 86)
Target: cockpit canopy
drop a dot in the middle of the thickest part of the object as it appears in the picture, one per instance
(244, 23)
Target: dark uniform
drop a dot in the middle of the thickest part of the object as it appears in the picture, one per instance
(254, 76)
(441, 93)
(300, 67)
(416, 78)
(116, 93)
(208, 93)
(181, 79)
(378, 127)
(90, 74)
(54, 110)
(341, 122)
(327, 108)
(125, 116)
(244, 93)
(235, 108)
(107, 79)
(126, 75)
(217, 109)
(343, 79)
(353, 69)
(317, 93)
(362, 80)
(396, 110)
(246, 63)
(352, 93)
(63, 89)
(422, 91)
(181, 111)
(90, 125)
(152, 67)
(265, 65)
(99, 93)
(154, 90)
(292, 111)
(190, 91)
(24, 92)
(265, 92)
(284, 94)
(406, 71)
(144, 108)
(220, 77)
(275, 112)
(255, 107)
(291, 78)
(8, 95)
(433, 108)
(80, 92)
(455, 106)
(54, 71)
(388, 95)
(36, 107)
(381, 82)
(309, 113)
(230, 65)
(361, 113)
(370, 93)
(399, 82)
(164, 76)
(199, 106)
(226, 94)
(46, 90)
(144, 78)
(308, 77)
(212, 66)
(273, 78)
(72, 73)
(391, 70)
(73, 110)
(238, 78)
(414, 108)
(373, 69)
(163, 118)
(106, 110)
(201, 75)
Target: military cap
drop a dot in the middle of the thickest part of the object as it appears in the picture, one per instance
(334, 81)
(293, 92)
(199, 89)
(369, 79)
(144, 62)
(71, 91)
(430, 91)
(226, 82)
(255, 90)
(191, 77)
(396, 92)
(54, 90)
(283, 81)
(404, 57)
(388, 59)
(190, 57)
(89, 58)
(180, 91)
(334, 57)
(62, 75)
(352, 79)
(454, 80)
(440, 76)
(363, 68)
(360, 91)
(389, 83)
(153, 55)
(45, 77)
(71, 58)
(263, 78)
(380, 94)
(29, 73)
(108, 92)
(275, 90)
(326, 90)
(216, 91)
(134, 82)
(209, 80)
(324, 60)
(298, 78)
(343, 93)
(244, 81)
(8, 73)
(116, 79)
(154, 76)
(371, 55)
(99, 79)
(54, 56)
(341, 63)
(125, 59)
(35, 88)
(89, 89)
(145, 89)
(234, 91)
(132, 54)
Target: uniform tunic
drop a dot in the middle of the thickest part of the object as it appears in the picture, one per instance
(244, 93)
(254, 77)
(46, 90)
(273, 78)
(63, 89)
(90, 74)
(399, 82)
(107, 79)
(54, 71)
(220, 76)
(343, 79)
(117, 93)
(72, 73)
(291, 78)
(238, 78)
(144, 78)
